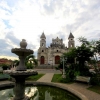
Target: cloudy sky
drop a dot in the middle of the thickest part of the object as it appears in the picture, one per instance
(27, 19)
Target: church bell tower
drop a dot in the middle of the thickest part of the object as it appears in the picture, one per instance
(42, 41)
(71, 42)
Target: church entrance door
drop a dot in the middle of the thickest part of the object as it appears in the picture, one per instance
(42, 60)
(57, 59)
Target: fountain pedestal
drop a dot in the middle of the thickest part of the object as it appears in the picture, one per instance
(21, 73)
(19, 84)
(19, 88)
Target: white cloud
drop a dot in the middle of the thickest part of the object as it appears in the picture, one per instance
(29, 18)
(4, 5)
(2, 28)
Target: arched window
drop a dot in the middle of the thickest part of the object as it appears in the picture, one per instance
(42, 44)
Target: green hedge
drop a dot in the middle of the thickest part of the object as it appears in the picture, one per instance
(4, 76)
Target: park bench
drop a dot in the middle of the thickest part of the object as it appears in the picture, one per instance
(82, 79)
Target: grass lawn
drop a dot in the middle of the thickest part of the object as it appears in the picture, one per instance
(95, 88)
(34, 77)
(58, 78)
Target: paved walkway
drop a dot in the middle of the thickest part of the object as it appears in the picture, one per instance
(46, 78)
(48, 71)
(82, 88)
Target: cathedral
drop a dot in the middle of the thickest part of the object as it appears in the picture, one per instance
(51, 55)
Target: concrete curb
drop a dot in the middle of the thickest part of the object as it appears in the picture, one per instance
(59, 85)
(6, 84)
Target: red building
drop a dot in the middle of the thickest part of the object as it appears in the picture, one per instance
(5, 61)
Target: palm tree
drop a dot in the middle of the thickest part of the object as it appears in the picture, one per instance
(30, 61)
(16, 63)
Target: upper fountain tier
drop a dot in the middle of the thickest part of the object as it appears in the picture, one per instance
(22, 52)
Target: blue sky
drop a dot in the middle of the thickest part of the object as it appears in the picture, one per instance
(27, 19)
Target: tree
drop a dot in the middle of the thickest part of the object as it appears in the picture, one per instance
(85, 51)
(98, 46)
(30, 61)
(5, 66)
(70, 55)
(16, 63)
(80, 54)
(83, 41)
(93, 45)
(83, 54)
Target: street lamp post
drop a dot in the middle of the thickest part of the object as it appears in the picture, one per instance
(64, 74)
(96, 59)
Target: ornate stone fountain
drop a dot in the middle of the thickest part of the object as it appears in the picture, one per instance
(21, 73)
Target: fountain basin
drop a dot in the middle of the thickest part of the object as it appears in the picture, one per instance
(20, 75)
(31, 83)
